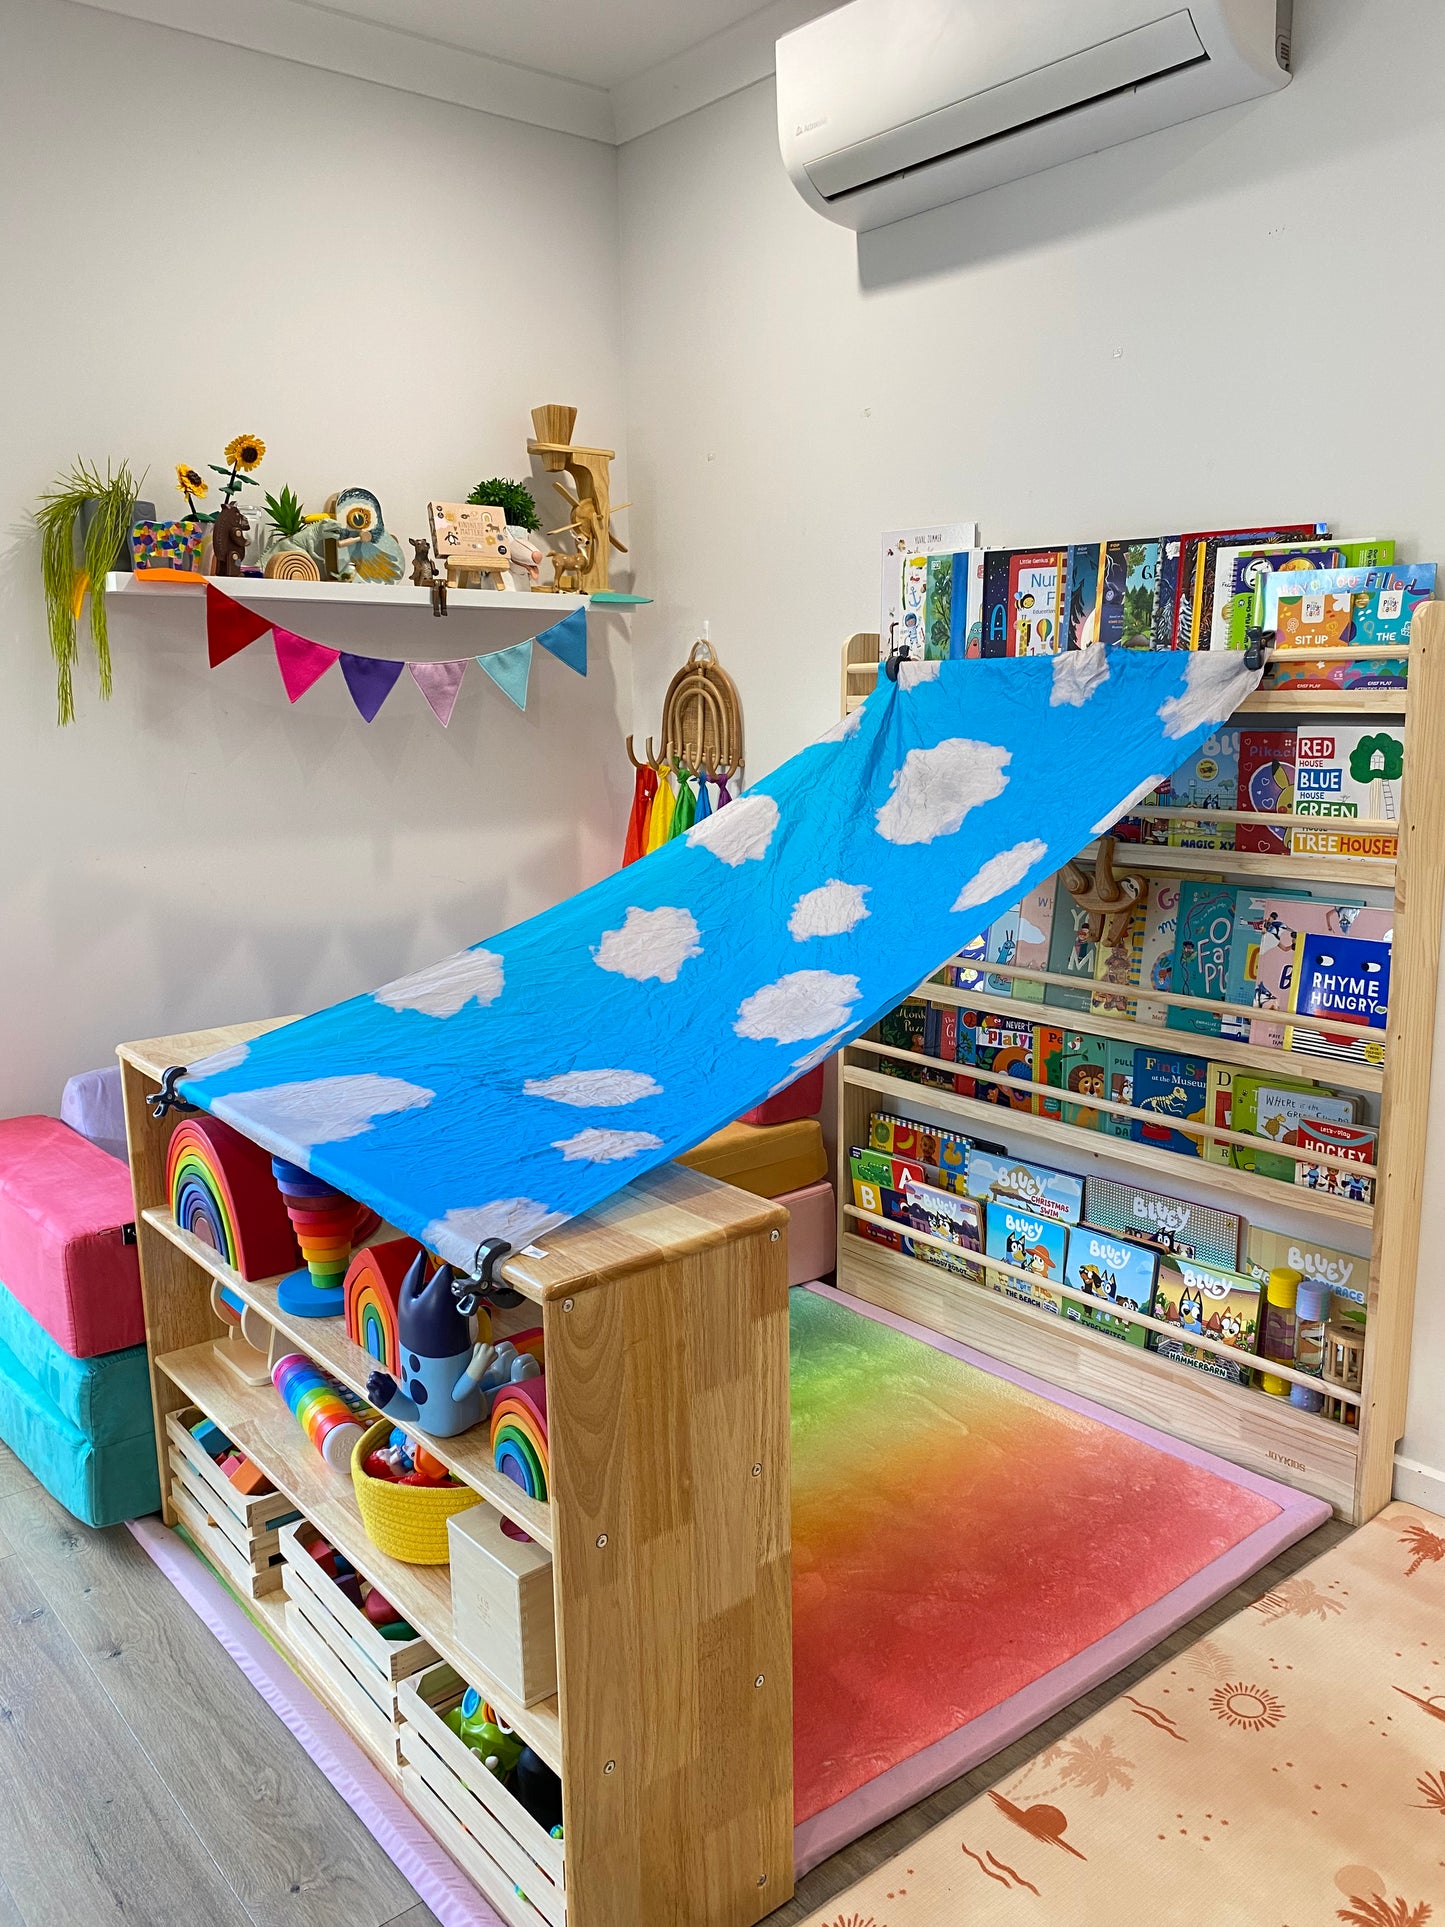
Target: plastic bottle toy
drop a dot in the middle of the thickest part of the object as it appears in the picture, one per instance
(442, 1370)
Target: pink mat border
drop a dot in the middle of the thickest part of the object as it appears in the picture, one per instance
(914, 1779)
(381, 1810)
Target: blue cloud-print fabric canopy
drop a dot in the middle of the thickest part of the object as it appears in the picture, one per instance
(503, 1090)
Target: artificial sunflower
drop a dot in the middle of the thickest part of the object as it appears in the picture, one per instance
(245, 452)
(192, 485)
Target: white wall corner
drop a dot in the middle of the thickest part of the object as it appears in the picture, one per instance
(318, 37)
(722, 64)
(1422, 1485)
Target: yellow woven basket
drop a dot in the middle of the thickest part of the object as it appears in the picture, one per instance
(407, 1521)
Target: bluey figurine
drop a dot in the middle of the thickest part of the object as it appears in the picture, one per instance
(449, 1382)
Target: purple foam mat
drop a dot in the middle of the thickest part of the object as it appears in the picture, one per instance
(912, 1780)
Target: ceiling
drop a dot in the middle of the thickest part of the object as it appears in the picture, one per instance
(606, 69)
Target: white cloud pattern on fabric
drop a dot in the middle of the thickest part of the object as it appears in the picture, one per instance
(603, 1088)
(229, 1059)
(1214, 687)
(442, 989)
(327, 1110)
(456, 1236)
(1002, 872)
(829, 911)
(650, 944)
(738, 834)
(1136, 795)
(936, 788)
(800, 1005)
(1077, 674)
(597, 1146)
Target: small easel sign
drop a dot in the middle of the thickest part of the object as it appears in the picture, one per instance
(471, 539)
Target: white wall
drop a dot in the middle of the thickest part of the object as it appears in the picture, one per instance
(1229, 321)
(200, 242)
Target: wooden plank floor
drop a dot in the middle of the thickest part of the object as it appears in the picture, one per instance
(142, 1778)
(833, 1876)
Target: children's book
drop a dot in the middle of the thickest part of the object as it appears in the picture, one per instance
(1237, 572)
(1415, 576)
(938, 607)
(1204, 940)
(1117, 958)
(1198, 560)
(1003, 1045)
(1114, 1272)
(1081, 595)
(1346, 977)
(1168, 1085)
(996, 1177)
(1209, 780)
(1034, 598)
(1281, 1113)
(1035, 1245)
(1083, 1069)
(1219, 1111)
(961, 973)
(1167, 1224)
(1130, 586)
(1156, 955)
(1118, 1088)
(902, 621)
(1021, 937)
(948, 1215)
(1354, 1141)
(1315, 621)
(903, 1137)
(1343, 771)
(965, 617)
(1347, 1275)
(996, 611)
(1266, 784)
(1273, 928)
(1048, 1067)
(1166, 594)
(1385, 619)
(1212, 1303)
(1245, 1117)
(1071, 954)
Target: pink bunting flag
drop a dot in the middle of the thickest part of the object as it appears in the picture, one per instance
(440, 683)
(301, 663)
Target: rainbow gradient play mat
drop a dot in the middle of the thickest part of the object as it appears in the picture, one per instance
(972, 1549)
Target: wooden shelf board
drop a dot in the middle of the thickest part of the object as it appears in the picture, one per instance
(469, 1456)
(258, 589)
(254, 1418)
(1175, 1166)
(1246, 1426)
(1375, 872)
(1226, 1050)
(154, 1056)
(1327, 702)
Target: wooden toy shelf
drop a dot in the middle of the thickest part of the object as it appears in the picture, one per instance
(665, 1325)
(1351, 1465)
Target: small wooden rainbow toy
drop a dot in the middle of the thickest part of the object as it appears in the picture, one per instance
(326, 1412)
(326, 1225)
(519, 1435)
(220, 1187)
(372, 1287)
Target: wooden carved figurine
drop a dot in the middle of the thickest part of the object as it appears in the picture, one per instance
(569, 566)
(1108, 898)
(591, 505)
(228, 540)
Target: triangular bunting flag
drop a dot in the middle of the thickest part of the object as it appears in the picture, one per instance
(301, 663)
(567, 640)
(509, 669)
(230, 627)
(371, 680)
(440, 683)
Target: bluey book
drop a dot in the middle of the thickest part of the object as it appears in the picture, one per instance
(1353, 1141)
(1236, 569)
(1117, 958)
(1118, 1088)
(1348, 772)
(1167, 1224)
(1346, 1275)
(1167, 1084)
(1071, 954)
(1114, 1272)
(1021, 937)
(1266, 784)
(999, 1178)
(948, 1215)
(1209, 780)
(902, 619)
(1273, 928)
(1034, 598)
(1204, 941)
(1034, 1245)
(1417, 576)
(1281, 1114)
(1156, 954)
(1209, 1302)
(1346, 977)
(1081, 595)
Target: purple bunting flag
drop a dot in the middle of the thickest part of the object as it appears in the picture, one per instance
(371, 680)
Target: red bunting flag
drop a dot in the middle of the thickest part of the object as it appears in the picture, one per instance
(301, 663)
(230, 626)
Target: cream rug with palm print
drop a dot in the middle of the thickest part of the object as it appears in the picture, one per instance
(1289, 1771)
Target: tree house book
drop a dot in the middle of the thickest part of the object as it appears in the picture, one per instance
(1036, 1245)
(1116, 1273)
(1178, 1225)
(1346, 977)
(1210, 1302)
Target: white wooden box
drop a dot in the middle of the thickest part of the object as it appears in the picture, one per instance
(502, 1603)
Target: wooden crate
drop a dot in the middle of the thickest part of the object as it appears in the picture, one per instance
(502, 1603)
(349, 1652)
(486, 1831)
(239, 1532)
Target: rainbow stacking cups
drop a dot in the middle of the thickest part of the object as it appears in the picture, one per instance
(325, 1224)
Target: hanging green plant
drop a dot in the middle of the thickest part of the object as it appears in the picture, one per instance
(513, 498)
(69, 574)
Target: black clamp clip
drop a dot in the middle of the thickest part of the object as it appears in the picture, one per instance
(168, 1098)
(482, 1289)
(894, 662)
(1256, 642)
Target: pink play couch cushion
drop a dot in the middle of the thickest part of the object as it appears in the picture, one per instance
(65, 1206)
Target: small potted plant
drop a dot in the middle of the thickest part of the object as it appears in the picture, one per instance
(515, 501)
(84, 523)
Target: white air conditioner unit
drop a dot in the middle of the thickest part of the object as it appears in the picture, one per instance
(887, 107)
